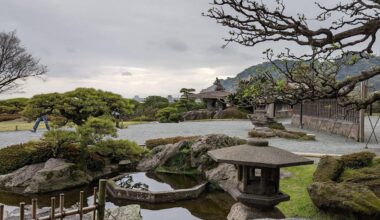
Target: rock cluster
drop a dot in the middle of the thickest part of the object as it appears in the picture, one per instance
(53, 175)
(338, 188)
(195, 153)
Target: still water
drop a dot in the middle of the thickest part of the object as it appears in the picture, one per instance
(211, 205)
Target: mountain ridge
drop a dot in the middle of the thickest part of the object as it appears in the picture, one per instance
(230, 83)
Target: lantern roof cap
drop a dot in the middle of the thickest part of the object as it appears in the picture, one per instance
(258, 156)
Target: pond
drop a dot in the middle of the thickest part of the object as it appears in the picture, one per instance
(212, 205)
(156, 182)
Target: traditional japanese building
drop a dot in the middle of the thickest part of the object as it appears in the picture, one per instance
(214, 100)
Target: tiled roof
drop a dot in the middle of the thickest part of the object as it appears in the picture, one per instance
(211, 95)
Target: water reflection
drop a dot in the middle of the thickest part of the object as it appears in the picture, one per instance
(155, 182)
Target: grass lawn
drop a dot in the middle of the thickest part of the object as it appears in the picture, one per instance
(21, 125)
(300, 204)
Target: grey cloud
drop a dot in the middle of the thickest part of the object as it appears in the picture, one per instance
(154, 35)
(176, 45)
(126, 73)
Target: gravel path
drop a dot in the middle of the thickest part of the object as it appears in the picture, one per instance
(325, 143)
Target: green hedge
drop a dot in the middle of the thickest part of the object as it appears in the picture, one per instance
(17, 156)
(8, 117)
(152, 143)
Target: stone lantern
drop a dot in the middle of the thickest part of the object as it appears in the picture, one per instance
(258, 168)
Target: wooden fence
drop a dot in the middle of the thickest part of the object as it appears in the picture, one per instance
(97, 208)
(329, 109)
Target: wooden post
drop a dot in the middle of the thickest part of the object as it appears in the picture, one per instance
(81, 205)
(363, 95)
(34, 209)
(22, 211)
(95, 194)
(61, 204)
(1, 212)
(102, 199)
(52, 211)
(301, 115)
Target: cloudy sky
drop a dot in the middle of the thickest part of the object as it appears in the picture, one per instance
(141, 47)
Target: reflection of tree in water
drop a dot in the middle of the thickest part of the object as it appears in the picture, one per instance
(127, 182)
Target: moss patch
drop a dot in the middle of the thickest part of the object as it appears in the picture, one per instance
(152, 143)
(358, 160)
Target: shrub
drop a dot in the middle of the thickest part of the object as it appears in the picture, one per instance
(71, 153)
(8, 117)
(143, 118)
(152, 143)
(17, 156)
(230, 113)
(358, 160)
(168, 114)
(118, 150)
(94, 130)
(58, 139)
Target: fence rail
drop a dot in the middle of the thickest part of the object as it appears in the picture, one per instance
(328, 108)
(97, 208)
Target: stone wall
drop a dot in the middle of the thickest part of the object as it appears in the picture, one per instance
(344, 128)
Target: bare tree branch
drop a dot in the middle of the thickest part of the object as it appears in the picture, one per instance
(15, 63)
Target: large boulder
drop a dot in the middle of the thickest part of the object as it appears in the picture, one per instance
(329, 169)
(158, 156)
(240, 211)
(199, 149)
(130, 212)
(224, 175)
(53, 175)
(345, 197)
(187, 155)
(19, 179)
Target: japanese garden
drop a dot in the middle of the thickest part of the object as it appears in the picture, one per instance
(250, 110)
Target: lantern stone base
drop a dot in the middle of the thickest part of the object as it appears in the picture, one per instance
(240, 211)
(258, 201)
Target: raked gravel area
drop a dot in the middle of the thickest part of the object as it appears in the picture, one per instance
(325, 142)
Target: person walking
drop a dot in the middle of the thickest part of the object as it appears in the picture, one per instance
(39, 119)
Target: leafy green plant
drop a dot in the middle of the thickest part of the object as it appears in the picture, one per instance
(94, 130)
